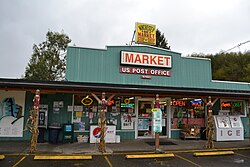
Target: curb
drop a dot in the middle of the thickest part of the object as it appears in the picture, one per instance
(198, 154)
(62, 157)
(137, 156)
(2, 157)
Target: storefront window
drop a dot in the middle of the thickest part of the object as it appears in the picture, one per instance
(234, 107)
(120, 111)
(187, 111)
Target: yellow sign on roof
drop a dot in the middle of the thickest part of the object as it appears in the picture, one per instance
(145, 33)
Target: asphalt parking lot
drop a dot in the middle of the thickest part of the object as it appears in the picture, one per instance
(240, 158)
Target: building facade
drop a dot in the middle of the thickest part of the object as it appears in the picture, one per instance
(133, 75)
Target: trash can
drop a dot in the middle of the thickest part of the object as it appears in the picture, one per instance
(203, 133)
(41, 134)
(53, 134)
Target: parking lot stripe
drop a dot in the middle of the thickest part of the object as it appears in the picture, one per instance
(62, 157)
(185, 159)
(19, 161)
(150, 156)
(213, 153)
(242, 155)
(2, 157)
(108, 161)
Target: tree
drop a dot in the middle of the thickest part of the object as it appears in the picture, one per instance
(161, 40)
(48, 61)
(229, 66)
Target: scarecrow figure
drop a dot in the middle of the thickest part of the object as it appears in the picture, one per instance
(102, 120)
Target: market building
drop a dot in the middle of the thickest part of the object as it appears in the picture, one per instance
(132, 75)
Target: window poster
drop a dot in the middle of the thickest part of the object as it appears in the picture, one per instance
(11, 113)
(126, 121)
(143, 124)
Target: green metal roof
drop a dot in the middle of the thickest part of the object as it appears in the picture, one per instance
(103, 66)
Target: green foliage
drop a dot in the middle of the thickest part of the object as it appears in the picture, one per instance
(48, 61)
(229, 66)
(161, 40)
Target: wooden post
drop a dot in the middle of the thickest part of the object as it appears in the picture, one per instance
(157, 135)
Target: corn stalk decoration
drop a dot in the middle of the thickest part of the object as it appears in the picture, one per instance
(157, 134)
(32, 122)
(102, 120)
(210, 123)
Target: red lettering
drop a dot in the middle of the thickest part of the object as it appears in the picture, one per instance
(137, 59)
(152, 59)
(166, 60)
(178, 103)
(160, 60)
(129, 58)
(145, 59)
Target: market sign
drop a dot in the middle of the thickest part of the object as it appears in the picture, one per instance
(146, 59)
(145, 33)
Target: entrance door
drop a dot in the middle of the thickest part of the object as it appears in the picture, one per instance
(144, 115)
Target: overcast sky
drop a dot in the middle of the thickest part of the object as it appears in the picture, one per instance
(191, 26)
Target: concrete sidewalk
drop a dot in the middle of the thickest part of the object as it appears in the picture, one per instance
(138, 145)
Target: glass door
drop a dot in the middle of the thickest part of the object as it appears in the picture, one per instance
(145, 118)
(144, 108)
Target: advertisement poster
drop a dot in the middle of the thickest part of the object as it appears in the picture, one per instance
(126, 121)
(223, 122)
(157, 120)
(145, 33)
(143, 124)
(11, 113)
(95, 134)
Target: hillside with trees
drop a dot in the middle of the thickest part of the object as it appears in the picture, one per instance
(229, 66)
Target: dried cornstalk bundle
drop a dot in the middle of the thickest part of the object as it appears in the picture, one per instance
(210, 132)
(102, 124)
(31, 125)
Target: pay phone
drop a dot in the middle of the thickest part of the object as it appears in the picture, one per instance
(43, 116)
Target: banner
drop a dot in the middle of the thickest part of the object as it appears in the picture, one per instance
(145, 33)
(11, 113)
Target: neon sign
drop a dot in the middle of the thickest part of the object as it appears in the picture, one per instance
(86, 101)
(178, 103)
(196, 103)
(226, 104)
